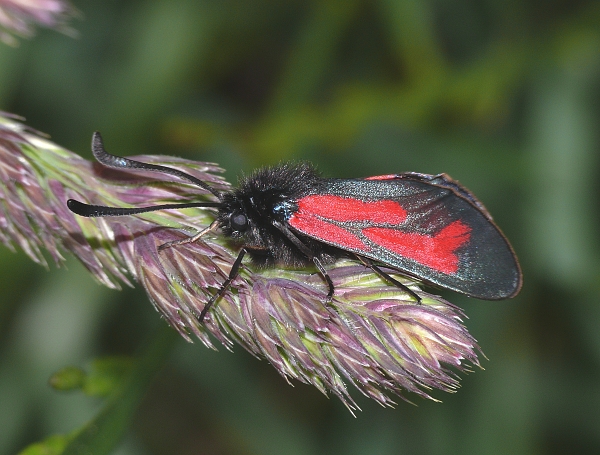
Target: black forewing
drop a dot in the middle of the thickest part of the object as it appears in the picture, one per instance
(487, 266)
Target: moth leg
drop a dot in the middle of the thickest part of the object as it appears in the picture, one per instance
(309, 254)
(385, 276)
(325, 275)
(214, 225)
(233, 273)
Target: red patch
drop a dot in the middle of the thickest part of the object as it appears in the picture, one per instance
(435, 251)
(349, 209)
(383, 177)
(320, 229)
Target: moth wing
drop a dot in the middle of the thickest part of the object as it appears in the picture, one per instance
(429, 227)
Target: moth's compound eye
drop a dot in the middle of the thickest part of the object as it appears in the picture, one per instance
(239, 222)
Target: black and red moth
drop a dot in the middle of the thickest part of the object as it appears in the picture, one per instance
(425, 226)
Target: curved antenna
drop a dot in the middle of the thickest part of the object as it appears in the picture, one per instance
(118, 162)
(89, 210)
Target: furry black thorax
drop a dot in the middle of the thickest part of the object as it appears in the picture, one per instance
(266, 196)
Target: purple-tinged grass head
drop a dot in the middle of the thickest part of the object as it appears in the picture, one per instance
(371, 335)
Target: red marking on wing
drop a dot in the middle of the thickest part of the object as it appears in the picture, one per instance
(320, 229)
(435, 251)
(383, 177)
(339, 208)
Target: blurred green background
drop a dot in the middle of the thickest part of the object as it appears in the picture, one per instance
(501, 94)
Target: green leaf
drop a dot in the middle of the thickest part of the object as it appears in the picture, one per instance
(53, 445)
(106, 375)
(104, 432)
(68, 378)
(124, 381)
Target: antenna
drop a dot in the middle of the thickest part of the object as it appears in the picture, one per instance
(118, 162)
(89, 210)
